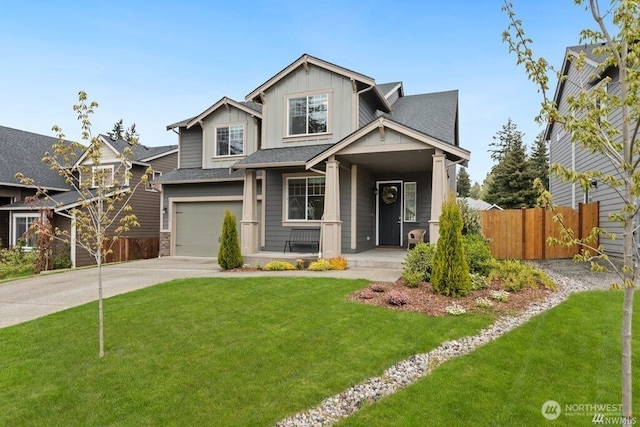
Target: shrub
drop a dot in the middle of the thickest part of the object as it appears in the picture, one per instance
(450, 271)
(397, 298)
(478, 254)
(478, 282)
(338, 263)
(470, 219)
(377, 287)
(300, 264)
(500, 295)
(417, 264)
(320, 265)
(62, 259)
(229, 255)
(484, 302)
(455, 309)
(279, 266)
(515, 276)
(367, 294)
(16, 263)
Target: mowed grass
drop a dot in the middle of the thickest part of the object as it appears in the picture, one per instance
(570, 354)
(215, 352)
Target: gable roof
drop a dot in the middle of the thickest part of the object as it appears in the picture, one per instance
(592, 58)
(248, 107)
(141, 153)
(22, 151)
(386, 89)
(304, 61)
(434, 114)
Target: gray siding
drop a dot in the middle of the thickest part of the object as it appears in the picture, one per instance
(300, 82)
(165, 163)
(275, 234)
(366, 213)
(345, 208)
(367, 108)
(562, 152)
(191, 147)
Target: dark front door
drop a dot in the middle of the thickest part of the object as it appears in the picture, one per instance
(389, 213)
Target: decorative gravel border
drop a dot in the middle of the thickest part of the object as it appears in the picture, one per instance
(410, 370)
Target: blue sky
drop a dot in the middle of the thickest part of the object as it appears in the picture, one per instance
(157, 62)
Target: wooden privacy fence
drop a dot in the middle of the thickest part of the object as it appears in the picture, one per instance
(127, 249)
(523, 233)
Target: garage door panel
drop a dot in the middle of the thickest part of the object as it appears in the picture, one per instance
(199, 226)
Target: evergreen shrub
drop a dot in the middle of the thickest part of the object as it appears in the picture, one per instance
(229, 255)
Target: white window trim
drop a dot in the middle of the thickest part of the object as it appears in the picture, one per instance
(101, 167)
(149, 185)
(14, 236)
(285, 200)
(289, 97)
(404, 201)
(228, 126)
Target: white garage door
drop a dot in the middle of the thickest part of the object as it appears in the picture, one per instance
(199, 227)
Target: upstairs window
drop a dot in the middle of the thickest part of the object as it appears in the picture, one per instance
(102, 175)
(308, 114)
(305, 199)
(230, 140)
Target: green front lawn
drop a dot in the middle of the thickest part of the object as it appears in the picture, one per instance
(236, 351)
(570, 354)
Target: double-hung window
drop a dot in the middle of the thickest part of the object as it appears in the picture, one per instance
(230, 140)
(102, 175)
(21, 230)
(305, 198)
(308, 115)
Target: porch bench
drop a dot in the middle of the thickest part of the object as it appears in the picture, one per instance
(303, 236)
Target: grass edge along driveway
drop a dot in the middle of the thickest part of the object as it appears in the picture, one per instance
(210, 351)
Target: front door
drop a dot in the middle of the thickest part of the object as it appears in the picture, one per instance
(389, 213)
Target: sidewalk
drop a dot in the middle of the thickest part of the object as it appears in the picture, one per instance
(26, 299)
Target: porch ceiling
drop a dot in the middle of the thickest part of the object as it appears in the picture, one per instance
(390, 162)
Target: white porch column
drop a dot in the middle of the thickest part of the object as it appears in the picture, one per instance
(249, 222)
(438, 194)
(331, 224)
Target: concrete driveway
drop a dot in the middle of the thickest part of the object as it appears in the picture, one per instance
(26, 299)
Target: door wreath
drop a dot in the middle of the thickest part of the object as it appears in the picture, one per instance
(390, 195)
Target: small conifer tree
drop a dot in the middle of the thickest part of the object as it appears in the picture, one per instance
(229, 255)
(450, 271)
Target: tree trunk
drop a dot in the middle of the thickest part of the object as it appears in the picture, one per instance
(626, 352)
(100, 312)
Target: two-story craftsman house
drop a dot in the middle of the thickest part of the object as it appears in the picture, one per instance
(316, 145)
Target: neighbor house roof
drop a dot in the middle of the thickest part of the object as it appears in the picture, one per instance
(22, 152)
(434, 114)
(283, 156)
(141, 153)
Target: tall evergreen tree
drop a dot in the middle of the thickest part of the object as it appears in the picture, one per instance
(540, 160)
(512, 185)
(476, 191)
(464, 183)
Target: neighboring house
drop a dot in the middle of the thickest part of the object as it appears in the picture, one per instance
(571, 155)
(481, 205)
(317, 145)
(22, 152)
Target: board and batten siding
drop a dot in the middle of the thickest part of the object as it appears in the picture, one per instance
(230, 117)
(299, 82)
(563, 151)
(204, 190)
(190, 147)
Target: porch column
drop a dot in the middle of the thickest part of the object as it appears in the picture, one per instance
(331, 224)
(249, 222)
(438, 194)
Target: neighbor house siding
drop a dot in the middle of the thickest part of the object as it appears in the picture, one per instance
(580, 158)
(191, 147)
(165, 163)
(300, 82)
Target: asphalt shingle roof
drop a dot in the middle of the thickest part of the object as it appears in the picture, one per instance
(140, 152)
(22, 151)
(197, 174)
(284, 155)
(433, 114)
